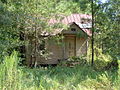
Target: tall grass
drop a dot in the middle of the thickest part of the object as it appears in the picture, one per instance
(14, 77)
(9, 73)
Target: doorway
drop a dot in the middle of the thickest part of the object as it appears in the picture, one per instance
(70, 46)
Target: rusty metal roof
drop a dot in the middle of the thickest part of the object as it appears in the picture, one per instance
(76, 19)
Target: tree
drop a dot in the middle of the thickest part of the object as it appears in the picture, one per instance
(107, 28)
(30, 17)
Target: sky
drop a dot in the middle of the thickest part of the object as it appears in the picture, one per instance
(103, 1)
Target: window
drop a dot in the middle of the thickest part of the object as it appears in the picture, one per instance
(73, 29)
(42, 45)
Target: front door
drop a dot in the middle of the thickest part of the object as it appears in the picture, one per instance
(70, 46)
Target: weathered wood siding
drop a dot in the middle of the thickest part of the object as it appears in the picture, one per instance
(70, 46)
(56, 52)
(81, 46)
(74, 44)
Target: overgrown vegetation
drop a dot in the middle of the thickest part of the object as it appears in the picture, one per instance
(14, 77)
(29, 16)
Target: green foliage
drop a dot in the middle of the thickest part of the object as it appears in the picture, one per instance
(9, 33)
(30, 17)
(14, 77)
(107, 25)
(74, 61)
(10, 74)
(84, 5)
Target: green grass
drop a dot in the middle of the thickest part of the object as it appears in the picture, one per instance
(80, 77)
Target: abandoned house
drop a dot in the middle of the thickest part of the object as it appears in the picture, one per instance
(74, 41)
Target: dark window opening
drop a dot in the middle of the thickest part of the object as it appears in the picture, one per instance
(82, 22)
(73, 29)
(42, 45)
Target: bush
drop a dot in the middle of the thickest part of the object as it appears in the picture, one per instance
(14, 77)
(9, 72)
(72, 61)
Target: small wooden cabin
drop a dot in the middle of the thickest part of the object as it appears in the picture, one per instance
(74, 41)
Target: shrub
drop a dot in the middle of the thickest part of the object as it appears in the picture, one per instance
(9, 72)
(72, 61)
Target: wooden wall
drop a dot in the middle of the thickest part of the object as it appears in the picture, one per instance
(81, 46)
(58, 52)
